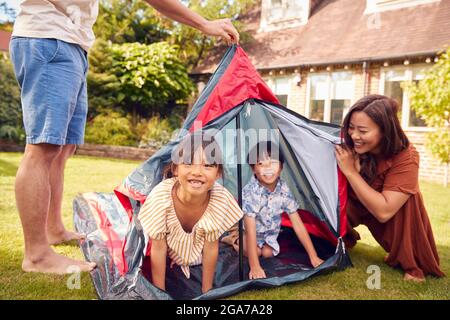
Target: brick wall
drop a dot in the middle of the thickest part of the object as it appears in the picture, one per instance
(117, 152)
(297, 95)
(430, 168)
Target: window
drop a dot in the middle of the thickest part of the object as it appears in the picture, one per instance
(276, 10)
(285, 9)
(280, 87)
(392, 86)
(280, 14)
(341, 95)
(318, 96)
(330, 96)
(414, 119)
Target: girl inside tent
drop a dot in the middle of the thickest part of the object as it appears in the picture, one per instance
(185, 215)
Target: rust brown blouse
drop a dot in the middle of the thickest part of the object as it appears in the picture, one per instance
(407, 236)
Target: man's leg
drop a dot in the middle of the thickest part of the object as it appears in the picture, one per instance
(33, 201)
(56, 232)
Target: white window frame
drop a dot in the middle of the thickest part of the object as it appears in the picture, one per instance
(374, 6)
(268, 23)
(271, 83)
(327, 106)
(406, 107)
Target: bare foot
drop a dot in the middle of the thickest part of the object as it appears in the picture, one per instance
(409, 277)
(51, 262)
(316, 261)
(64, 236)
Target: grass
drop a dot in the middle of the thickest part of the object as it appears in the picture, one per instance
(85, 174)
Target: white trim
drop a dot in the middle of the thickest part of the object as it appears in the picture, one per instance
(327, 105)
(374, 6)
(308, 96)
(352, 100)
(382, 81)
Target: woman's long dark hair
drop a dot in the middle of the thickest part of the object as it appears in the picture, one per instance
(383, 111)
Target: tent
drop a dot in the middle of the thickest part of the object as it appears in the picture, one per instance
(235, 106)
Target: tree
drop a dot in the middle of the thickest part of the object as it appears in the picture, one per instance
(140, 61)
(122, 21)
(10, 14)
(430, 98)
(102, 83)
(194, 44)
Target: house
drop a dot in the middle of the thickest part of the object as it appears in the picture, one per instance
(5, 38)
(321, 56)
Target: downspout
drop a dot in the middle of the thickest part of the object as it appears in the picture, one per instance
(366, 75)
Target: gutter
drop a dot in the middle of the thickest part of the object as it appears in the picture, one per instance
(349, 61)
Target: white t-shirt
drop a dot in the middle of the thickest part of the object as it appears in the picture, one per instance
(67, 20)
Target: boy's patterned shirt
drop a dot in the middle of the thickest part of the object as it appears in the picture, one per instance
(266, 207)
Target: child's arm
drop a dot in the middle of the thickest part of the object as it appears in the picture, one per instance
(210, 255)
(256, 271)
(305, 239)
(158, 254)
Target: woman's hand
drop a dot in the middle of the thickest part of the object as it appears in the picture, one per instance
(347, 160)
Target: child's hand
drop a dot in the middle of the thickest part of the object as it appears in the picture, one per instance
(316, 261)
(257, 273)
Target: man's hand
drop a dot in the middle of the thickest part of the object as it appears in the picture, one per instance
(221, 28)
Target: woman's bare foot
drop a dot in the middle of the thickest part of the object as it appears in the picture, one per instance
(51, 262)
(410, 277)
(64, 236)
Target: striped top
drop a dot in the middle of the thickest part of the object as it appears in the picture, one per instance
(159, 221)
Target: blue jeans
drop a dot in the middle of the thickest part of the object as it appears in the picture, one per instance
(52, 77)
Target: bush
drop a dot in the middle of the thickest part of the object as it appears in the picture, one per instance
(155, 132)
(111, 129)
(136, 78)
(16, 134)
(11, 126)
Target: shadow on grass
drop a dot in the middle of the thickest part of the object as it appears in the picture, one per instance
(7, 169)
(71, 243)
(363, 254)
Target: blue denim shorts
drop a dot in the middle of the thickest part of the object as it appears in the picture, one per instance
(52, 77)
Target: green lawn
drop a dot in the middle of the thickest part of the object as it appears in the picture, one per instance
(84, 174)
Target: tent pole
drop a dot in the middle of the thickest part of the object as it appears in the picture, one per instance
(239, 192)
